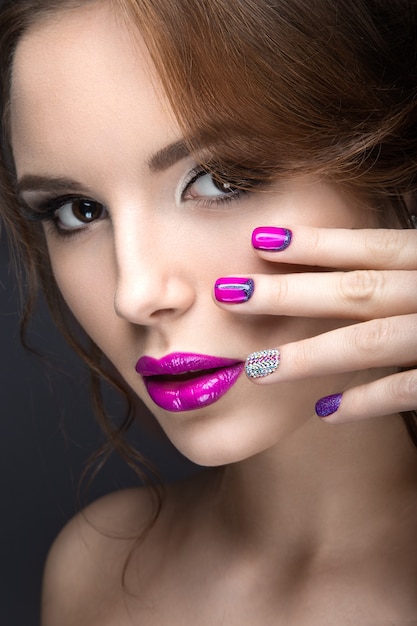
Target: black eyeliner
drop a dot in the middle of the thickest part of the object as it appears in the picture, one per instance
(237, 190)
(45, 210)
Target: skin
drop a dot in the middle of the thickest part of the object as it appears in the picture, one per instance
(308, 524)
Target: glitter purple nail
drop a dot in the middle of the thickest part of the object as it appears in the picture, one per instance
(328, 405)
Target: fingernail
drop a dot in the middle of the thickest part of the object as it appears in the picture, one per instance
(328, 405)
(233, 290)
(263, 363)
(271, 239)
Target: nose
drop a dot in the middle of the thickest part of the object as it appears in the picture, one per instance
(154, 285)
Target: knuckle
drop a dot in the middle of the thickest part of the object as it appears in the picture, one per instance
(371, 337)
(278, 294)
(360, 286)
(301, 358)
(383, 246)
(404, 389)
(314, 243)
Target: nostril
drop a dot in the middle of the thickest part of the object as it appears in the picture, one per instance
(161, 314)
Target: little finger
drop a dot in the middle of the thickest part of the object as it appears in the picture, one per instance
(385, 396)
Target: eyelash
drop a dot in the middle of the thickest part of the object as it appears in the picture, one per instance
(197, 173)
(47, 211)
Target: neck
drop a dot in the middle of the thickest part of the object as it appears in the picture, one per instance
(320, 483)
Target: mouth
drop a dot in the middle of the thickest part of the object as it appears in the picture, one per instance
(185, 381)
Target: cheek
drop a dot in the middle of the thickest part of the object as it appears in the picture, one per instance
(85, 278)
(320, 204)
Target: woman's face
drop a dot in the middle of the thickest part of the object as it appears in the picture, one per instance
(143, 233)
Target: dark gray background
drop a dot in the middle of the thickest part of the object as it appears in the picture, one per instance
(47, 431)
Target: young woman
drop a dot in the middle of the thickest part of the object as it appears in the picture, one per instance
(196, 183)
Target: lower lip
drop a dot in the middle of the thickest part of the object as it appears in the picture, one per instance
(196, 393)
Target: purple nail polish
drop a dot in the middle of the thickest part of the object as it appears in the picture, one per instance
(233, 290)
(271, 239)
(328, 405)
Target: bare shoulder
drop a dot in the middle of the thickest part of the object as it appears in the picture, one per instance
(85, 565)
(111, 546)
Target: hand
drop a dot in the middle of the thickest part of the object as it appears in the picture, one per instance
(377, 288)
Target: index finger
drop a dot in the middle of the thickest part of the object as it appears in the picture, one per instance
(345, 248)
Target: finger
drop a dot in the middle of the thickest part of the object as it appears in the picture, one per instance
(355, 295)
(385, 396)
(346, 248)
(382, 342)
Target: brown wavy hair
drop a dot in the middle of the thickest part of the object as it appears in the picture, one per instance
(273, 88)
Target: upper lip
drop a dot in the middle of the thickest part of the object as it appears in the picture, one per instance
(181, 363)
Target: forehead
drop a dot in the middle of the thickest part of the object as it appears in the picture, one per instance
(73, 47)
(83, 73)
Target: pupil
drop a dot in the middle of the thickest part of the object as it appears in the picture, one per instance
(86, 211)
(223, 185)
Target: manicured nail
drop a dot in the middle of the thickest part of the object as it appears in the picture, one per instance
(271, 239)
(263, 363)
(328, 405)
(233, 290)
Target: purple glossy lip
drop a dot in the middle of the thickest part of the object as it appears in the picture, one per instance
(185, 381)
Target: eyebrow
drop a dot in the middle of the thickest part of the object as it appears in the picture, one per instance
(31, 182)
(168, 156)
(161, 160)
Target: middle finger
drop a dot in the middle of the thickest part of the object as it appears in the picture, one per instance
(356, 295)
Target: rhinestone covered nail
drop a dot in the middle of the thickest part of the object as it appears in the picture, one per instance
(262, 363)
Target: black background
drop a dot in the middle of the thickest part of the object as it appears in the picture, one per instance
(47, 432)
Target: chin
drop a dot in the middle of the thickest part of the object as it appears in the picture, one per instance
(242, 424)
(212, 441)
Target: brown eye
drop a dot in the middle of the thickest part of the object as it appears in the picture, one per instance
(205, 185)
(223, 186)
(86, 210)
(78, 212)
